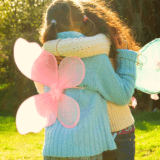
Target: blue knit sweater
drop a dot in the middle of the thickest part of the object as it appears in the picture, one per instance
(92, 135)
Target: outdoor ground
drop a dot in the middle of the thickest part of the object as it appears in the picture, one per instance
(14, 146)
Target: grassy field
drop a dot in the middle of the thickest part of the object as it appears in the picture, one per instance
(14, 146)
(147, 136)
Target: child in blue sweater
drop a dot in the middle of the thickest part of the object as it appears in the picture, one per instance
(92, 135)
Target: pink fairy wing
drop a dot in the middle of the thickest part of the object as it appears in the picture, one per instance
(71, 72)
(45, 70)
(68, 111)
(46, 106)
(35, 113)
(35, 63)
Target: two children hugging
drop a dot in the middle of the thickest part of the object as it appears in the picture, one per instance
(106, 91)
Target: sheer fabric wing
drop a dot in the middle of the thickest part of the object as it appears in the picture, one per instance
(35, 63)
(35, 113)
(45, 69)
(71, 72)
(41, 110)
(148, 73)
(68, 111)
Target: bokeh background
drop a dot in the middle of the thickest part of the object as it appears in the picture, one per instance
(23, 18)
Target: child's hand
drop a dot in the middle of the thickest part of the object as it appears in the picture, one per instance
(155, 96)
(133, 102)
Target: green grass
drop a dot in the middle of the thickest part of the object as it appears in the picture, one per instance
(14, 146)
(147, 136)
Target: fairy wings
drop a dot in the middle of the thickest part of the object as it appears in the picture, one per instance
(42, 110)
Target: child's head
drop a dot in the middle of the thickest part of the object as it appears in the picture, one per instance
(108, 22)
(69, 16)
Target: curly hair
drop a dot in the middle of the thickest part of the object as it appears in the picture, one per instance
(69, 16)
(120, 34)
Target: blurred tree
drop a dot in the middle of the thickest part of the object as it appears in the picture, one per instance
(22, 18)
(19, 18)
(143, 16)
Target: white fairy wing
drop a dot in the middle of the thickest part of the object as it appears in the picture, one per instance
(35, 113)
(35, 63)
(41, 110)
(148, 70)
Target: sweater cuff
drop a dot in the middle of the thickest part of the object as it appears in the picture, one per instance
(127, 54)
(126, 62)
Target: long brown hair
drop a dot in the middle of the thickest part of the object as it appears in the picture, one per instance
(109, 22)
(69, 16)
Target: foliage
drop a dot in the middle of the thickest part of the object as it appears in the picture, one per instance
(23, 18)
(142, 16)
(19, 18)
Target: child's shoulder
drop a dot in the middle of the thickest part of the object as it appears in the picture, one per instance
(96, 61)
(69, 34)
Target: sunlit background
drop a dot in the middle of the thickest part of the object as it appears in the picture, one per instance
(23, 18)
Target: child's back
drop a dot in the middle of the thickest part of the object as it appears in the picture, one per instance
(92, 135)
(89, 137)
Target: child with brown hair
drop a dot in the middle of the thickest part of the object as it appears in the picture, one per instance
(92, 135)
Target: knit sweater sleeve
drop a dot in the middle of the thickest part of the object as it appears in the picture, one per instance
(118, 87)
(81, 47)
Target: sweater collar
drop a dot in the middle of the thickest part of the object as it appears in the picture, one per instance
(69, 34)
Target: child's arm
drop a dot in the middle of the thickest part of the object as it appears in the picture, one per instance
(124, 83)
(117, 87)
(81, 47)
